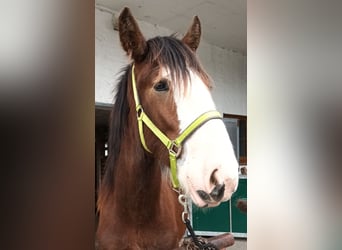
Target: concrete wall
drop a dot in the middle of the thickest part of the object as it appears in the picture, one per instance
(228, 69)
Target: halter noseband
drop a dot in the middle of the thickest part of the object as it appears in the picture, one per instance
(174, 146)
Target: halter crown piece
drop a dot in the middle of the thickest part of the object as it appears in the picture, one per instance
(173, 146)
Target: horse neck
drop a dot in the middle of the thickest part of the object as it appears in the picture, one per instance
(138, 182)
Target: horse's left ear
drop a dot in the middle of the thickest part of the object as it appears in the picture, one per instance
(132, 40)
(193, 36)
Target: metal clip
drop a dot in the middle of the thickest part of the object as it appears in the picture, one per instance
(184, 202)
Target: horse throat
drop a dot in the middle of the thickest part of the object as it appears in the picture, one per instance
(138, 188)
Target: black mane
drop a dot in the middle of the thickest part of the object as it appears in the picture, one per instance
(118, 122)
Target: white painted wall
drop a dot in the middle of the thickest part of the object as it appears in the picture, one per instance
(228, 69)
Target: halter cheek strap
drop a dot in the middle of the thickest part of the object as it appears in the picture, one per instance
(174, 146)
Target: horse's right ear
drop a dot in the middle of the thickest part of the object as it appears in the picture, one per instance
(131, 38)
(193, 36)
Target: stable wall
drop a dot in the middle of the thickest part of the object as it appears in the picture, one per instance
(228, 69)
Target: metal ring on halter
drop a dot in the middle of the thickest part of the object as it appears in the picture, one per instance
(182, 199)
(175, 149)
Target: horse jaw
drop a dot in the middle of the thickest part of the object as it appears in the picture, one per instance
(208, 157)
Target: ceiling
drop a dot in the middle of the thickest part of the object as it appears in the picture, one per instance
(224, 22)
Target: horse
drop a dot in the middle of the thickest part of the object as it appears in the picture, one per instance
(167, 143)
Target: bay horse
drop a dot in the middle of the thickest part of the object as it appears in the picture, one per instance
(163, 93)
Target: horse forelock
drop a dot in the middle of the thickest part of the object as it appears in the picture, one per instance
(172, 54)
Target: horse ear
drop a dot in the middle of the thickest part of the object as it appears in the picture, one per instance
(131, 38)
(193, 36)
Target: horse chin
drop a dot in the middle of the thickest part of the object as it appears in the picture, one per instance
(213, 204)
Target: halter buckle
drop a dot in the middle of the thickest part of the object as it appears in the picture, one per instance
(175, 149)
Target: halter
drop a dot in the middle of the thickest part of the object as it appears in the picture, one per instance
(174, 146)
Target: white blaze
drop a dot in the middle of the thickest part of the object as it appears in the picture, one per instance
(208, 149)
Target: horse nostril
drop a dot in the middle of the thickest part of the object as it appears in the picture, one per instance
(217, 192)
(204, 196)
(213, 179)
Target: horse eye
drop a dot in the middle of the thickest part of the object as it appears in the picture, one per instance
(161, 86)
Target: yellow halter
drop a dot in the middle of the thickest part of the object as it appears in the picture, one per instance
(174, 146)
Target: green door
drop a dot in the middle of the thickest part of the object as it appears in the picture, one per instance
(211, 219)
(224, 218)
(239, 218)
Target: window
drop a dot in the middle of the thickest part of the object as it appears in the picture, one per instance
(237, 129)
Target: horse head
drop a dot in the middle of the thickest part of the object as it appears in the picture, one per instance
(172, 91)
